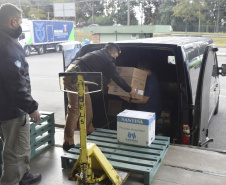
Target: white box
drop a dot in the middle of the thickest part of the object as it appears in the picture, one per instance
(136, 127)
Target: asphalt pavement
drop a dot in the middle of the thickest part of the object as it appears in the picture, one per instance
(221, 51)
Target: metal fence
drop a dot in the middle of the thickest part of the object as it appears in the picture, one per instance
(194, 27)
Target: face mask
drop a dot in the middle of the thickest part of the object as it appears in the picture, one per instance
(113, 60)
(17, 32)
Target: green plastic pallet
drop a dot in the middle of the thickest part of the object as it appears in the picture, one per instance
(46, 122)
(42, 144)
(42, 133)
(145, 160)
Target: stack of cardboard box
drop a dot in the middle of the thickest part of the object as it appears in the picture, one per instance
(134, 77)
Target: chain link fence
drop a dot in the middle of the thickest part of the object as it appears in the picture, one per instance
(194, 27)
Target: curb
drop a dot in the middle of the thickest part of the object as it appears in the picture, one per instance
(221, 54)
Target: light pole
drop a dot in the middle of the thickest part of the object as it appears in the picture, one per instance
(19, 4)
(128, 13)
(38, 11)
(92, 12)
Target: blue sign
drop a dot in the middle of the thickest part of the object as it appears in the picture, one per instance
(40, 32)
(52, 31)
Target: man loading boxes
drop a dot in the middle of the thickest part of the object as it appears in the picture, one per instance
(97, 61)
(150, 100)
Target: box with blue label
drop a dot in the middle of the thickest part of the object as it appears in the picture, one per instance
(136, 127)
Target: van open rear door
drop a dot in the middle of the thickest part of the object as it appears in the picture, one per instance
(206, 100)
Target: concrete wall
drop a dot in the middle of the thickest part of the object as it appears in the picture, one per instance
(108, 37)
(119, 33)
(128, 29)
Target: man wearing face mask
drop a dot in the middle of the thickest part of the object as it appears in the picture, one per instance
(97, 61)
(16, 102)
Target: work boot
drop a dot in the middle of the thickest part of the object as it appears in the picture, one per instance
(29, 178)
(68, 147)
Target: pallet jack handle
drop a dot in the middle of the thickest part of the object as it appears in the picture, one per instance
(84, 74)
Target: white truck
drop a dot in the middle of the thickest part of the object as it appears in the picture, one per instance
(41, 35)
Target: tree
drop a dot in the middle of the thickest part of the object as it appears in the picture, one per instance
(101, 20)
(185, 10)
(156, 13)
(35, 13)
(166, 12)
(118, 12)
(86, 10)
(42, 9)
(200, 6)
(122, 14)
(220, 3)
(214, 12)
(148, 12)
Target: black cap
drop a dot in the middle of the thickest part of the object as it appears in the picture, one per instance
(116, 46)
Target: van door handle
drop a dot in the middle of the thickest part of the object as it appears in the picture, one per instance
(214, 89)
(216, 85)
(208, 140)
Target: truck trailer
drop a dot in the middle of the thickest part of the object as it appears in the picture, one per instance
(41, 35)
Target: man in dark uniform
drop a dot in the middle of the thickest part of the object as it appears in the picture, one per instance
(97, 61)
(151, 101)
(16, 102)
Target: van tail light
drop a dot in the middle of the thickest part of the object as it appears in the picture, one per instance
(186, 134)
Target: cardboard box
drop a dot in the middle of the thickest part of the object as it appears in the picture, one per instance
(134, 77)
(132, 72)
(136, 127)
(133, 82)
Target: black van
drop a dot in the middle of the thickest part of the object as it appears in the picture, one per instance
(188, 72)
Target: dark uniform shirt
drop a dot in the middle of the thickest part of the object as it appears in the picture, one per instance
(152, 90)
(15, 89)
(102, 61)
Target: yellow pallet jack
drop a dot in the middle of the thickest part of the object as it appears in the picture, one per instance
(92, 167)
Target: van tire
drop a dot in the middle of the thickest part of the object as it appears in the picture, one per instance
(41, 50)
(27, 51)
(217, 107)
